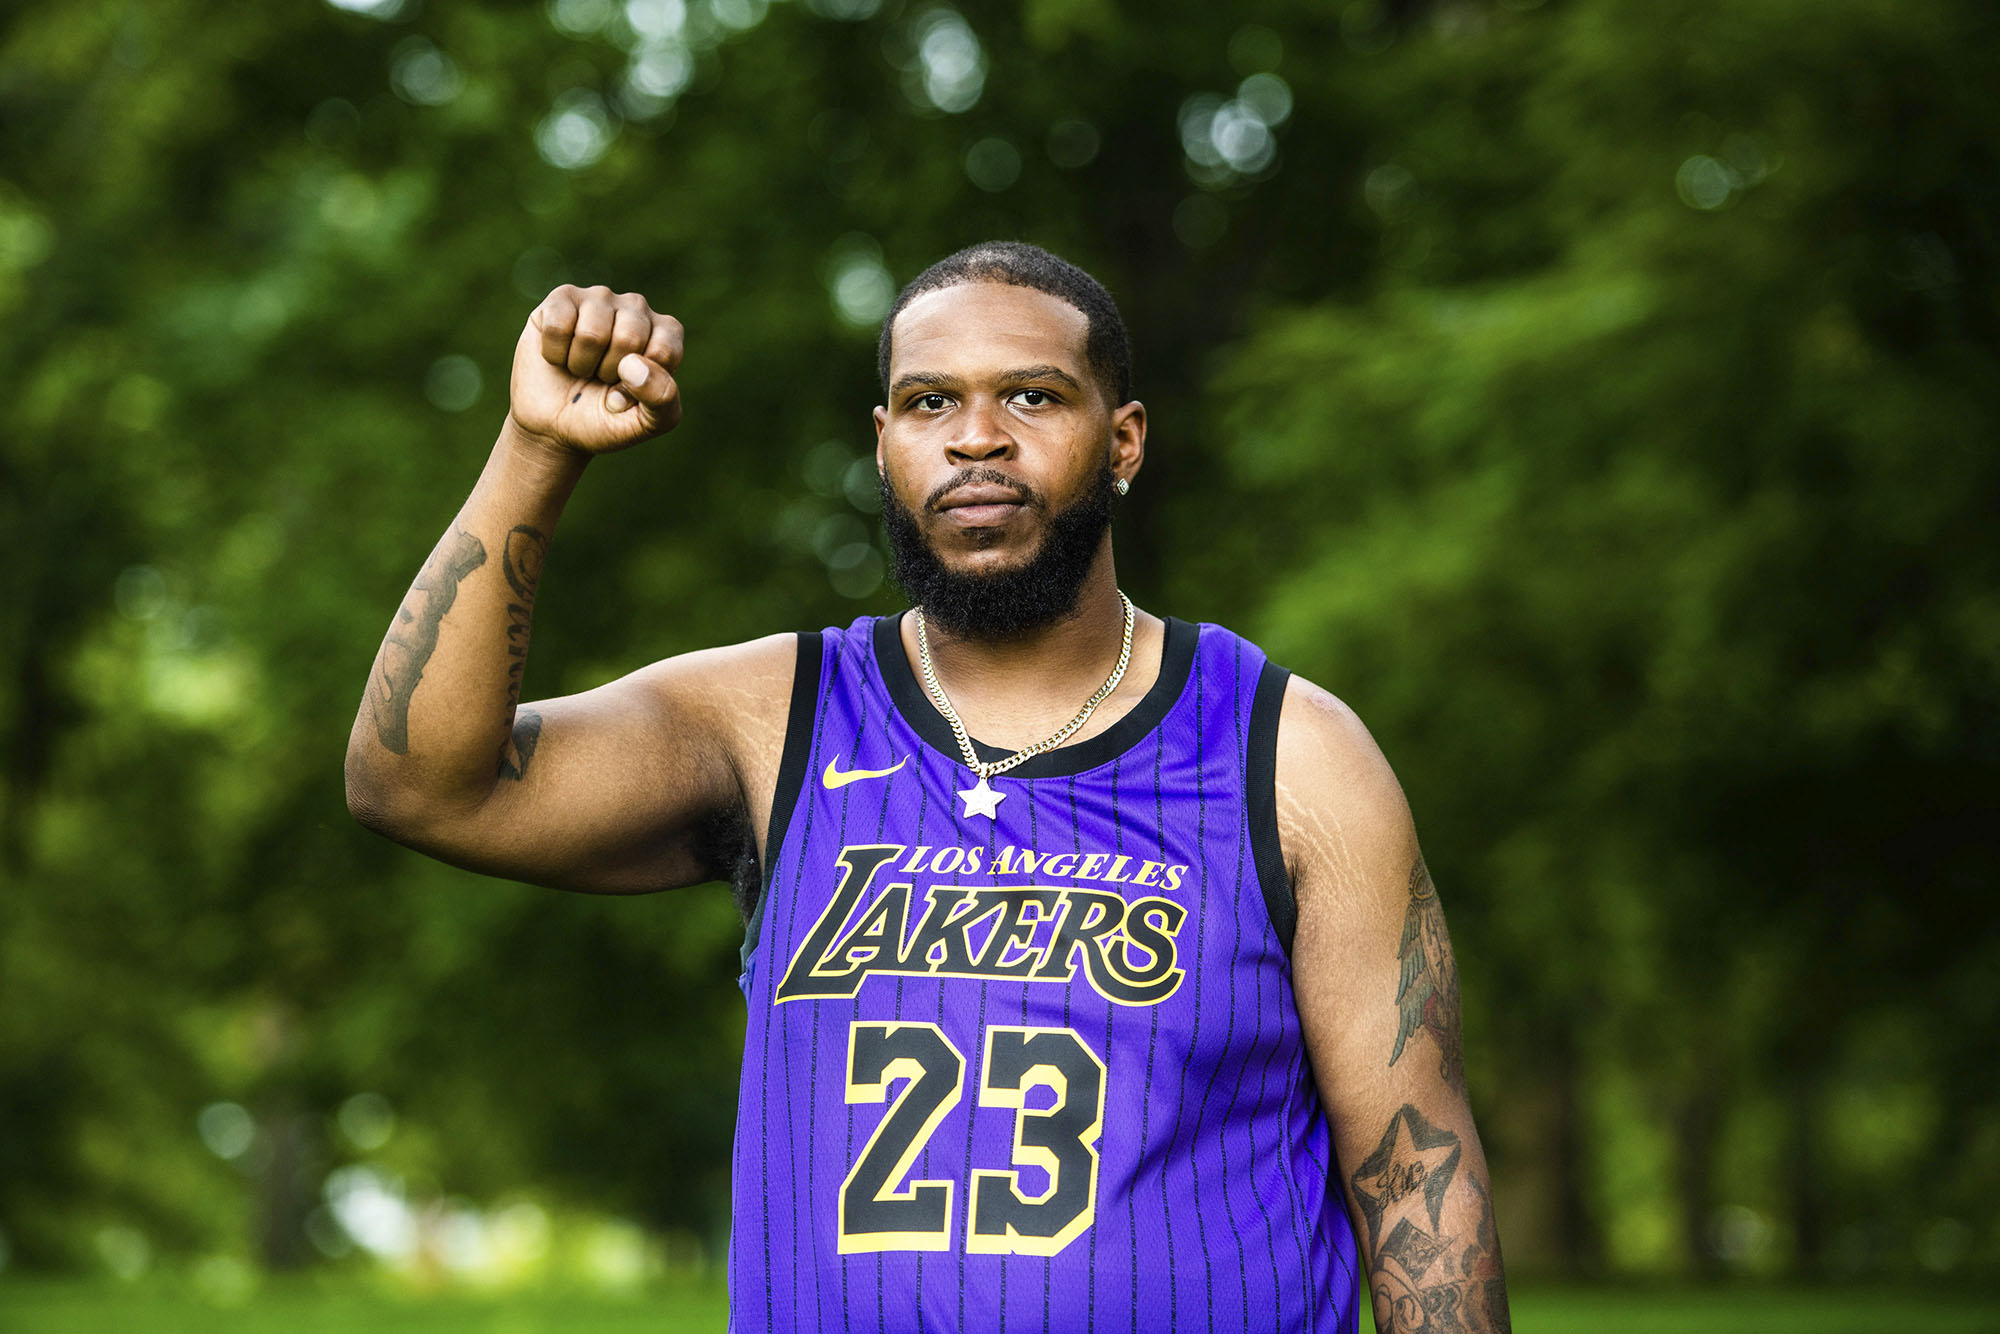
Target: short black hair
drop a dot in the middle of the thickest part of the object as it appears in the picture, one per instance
(1018, 264)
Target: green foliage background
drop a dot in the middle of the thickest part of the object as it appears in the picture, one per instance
(1601, 396)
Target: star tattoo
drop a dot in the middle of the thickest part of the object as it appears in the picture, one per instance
(1414, 1163)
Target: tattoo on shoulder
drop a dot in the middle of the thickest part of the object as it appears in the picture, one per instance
(520, 747)
(1427, 990)
(1423, 1275)
(521, 561)
(413, 638)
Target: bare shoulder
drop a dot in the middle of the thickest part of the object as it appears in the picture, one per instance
(738, 681)
(1343, 822)
(739, 693)
(671, 753)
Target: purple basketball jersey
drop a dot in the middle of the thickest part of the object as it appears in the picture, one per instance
(1040, 1070)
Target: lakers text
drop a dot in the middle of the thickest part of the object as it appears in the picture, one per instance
(878, 925)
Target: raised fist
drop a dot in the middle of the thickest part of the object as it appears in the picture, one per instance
(593, 370)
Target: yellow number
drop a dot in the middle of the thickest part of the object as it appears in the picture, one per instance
(881, 1212)
(875, 1213)
(1060, 1140)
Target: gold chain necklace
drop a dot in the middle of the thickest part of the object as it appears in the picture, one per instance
(981, 799)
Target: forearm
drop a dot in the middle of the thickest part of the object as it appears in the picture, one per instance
(1426, 1211)
(437, 726)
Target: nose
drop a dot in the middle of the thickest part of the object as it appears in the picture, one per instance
(982, 433)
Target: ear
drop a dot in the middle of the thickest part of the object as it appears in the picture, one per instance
(881, 420)
(1128, 440)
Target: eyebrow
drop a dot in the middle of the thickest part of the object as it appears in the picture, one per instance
(923, 380)
(1028, 373)
(1024, 375)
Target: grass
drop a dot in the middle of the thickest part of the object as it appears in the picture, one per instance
(1750, 1311)
(304, 1307)
(59, 1307)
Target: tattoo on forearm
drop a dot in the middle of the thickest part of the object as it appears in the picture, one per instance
(413, 638)
(520, 747)
(1427, 1278)
(521, 561)
(1427, 993)
(1414, 1155)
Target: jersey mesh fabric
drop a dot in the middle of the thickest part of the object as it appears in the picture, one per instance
(870, 1080)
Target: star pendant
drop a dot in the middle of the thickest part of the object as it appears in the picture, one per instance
(981, 799)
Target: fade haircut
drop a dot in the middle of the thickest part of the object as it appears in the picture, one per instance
(1018, 264)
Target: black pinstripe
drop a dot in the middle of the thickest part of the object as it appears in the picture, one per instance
(792, 927)
(1194, 1035)
(1160, 823)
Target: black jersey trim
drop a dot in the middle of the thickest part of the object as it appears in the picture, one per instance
(791, 774)
(1176, 662)
(1261, 801)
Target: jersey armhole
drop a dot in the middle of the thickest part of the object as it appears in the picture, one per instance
(1261, 802)
(791, 774)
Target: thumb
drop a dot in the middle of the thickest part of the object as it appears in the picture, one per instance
(641, 382)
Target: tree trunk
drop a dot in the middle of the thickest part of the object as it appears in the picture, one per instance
(1695, 1127)
(1576, 1226)
(284, 1188)
(1808, 1205)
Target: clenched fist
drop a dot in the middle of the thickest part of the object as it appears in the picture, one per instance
(593, 370)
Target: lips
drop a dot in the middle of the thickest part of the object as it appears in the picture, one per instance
(982, 494)
(980, 504)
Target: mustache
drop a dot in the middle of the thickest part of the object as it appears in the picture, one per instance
(976, 476)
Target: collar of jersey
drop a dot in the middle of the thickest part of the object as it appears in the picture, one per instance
(1176, 660)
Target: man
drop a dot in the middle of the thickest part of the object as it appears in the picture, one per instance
(1095, 978)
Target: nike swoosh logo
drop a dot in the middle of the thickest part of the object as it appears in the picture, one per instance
(835, 778)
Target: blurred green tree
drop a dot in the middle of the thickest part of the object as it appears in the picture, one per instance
(1643, 501)
(1598, 395)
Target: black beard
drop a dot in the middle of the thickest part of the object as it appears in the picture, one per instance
(1011, 603)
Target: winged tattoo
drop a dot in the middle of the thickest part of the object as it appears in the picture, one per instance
(1427, 992)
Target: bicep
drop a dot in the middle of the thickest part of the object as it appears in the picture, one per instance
(1372, 963)
(624, 788)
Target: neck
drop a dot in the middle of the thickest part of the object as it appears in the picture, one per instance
(1016, 691)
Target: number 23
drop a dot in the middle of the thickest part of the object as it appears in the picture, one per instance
(879, 1214)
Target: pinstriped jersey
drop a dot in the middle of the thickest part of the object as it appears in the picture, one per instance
(1039, 1069)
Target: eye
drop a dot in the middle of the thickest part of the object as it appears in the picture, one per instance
(1034, 398)
(930, 402)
